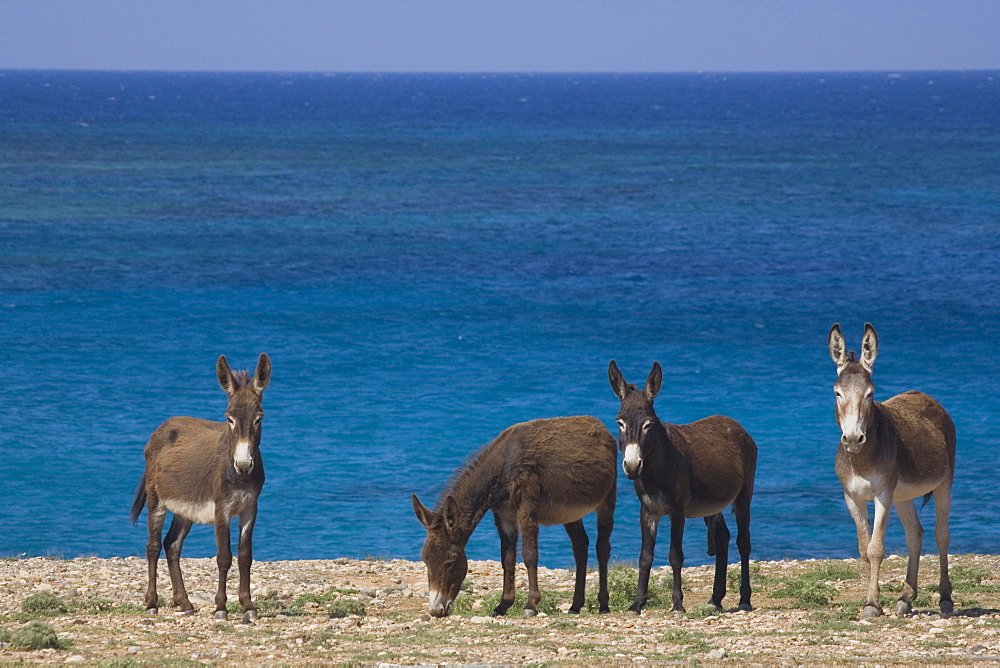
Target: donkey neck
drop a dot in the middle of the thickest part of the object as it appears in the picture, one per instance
(476, 488)
(663, 458)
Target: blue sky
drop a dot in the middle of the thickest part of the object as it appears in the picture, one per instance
(486, 35)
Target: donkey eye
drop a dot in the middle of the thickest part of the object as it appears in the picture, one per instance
(258, 418)
(646, 425)
(232, 421)
(621, 425)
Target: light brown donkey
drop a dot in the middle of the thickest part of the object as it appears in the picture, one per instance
(207, 472)
(891, 452)
(540, 472)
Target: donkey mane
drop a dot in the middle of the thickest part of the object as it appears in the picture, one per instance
(467, 479)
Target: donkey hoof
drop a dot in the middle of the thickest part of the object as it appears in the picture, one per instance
(903, 608)
(152, 611)
(635, 609)
(947, 607)
(221, 614)
(250, 616)
(605, 610)
(528, 612)
(188, 611)
(871, 610)
(746, 607)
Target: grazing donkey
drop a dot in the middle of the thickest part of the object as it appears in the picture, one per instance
(540, 472)
(685, 470)
(891, 452)
(207, 472)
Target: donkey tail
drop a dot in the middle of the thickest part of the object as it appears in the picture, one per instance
(140, 498)
(927, 497)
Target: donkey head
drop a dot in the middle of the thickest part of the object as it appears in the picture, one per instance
(444, 554)
(854, 387)
(636, 419)
(244, 411)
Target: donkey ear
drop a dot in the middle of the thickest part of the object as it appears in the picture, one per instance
(450, 514)
(653, 381)
(262, 376)
(226, 378)
(838, 347)
(618, 384)
(869, 347)
(423, 513)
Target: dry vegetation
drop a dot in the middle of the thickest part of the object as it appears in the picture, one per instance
(89, 611)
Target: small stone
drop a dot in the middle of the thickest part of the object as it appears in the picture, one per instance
(76, 658)
(717, 653)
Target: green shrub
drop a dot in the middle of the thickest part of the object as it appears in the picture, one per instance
(812, 589)
(623, 580)
(969, 579)
(43, 603)
(807, 593)
(36, 635)
(4, 635)
(97, 605)
(344, 606)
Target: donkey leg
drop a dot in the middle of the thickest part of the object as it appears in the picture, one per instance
(224, 560)
(155, 517)
(722, 535)
(508, 559)
(648, 523)
(172, 544)
(741, 508)
(859, 512)
(605, 523)
(942, 535)
(907, 513)
(581, 544)
(529, 552)
(876, 552)
(244, 559)
(676, 558)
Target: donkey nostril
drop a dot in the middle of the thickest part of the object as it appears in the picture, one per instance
(862, 438)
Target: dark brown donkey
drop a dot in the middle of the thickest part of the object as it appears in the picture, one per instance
(540, 472)
(207, 472)
(685, 470)
(891, 452)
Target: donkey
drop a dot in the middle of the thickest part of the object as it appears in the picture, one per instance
(207, 472)
(546, 472)
(686, 470)
(891, 452)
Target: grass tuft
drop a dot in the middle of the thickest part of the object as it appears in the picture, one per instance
(36, 635)
(813, 589)
(623, 580)
(43, 603)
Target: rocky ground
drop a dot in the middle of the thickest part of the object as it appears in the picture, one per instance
(806, 612)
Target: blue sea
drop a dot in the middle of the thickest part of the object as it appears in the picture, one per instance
(431, 258)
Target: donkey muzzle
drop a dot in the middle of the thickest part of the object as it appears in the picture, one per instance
(853, 443)
(242, 459)
(632, 461)
(438, 605)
